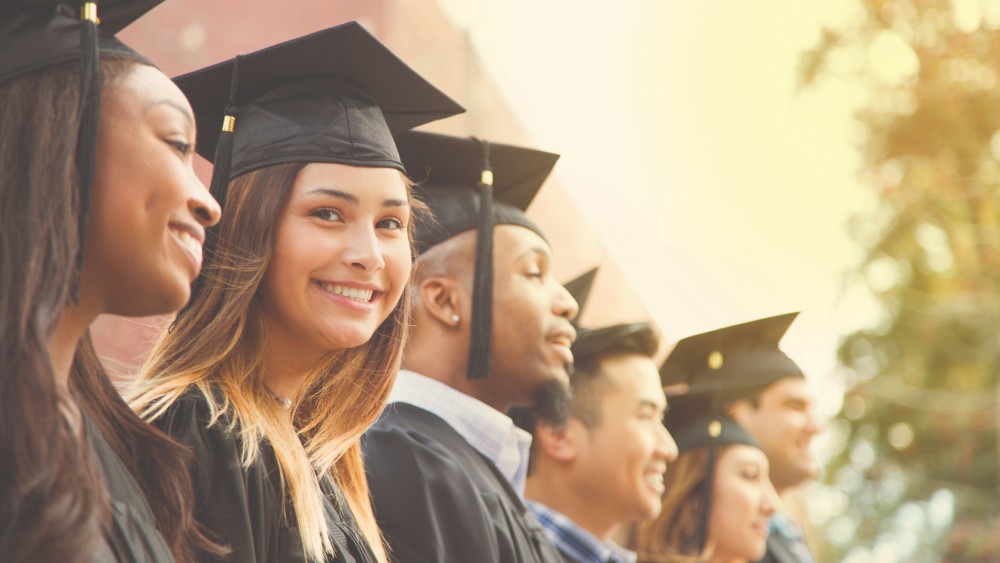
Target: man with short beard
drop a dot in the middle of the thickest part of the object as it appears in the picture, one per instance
(491, 330)
(601, 467)
(741, 370)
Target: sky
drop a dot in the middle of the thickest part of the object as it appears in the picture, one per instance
(722, 189)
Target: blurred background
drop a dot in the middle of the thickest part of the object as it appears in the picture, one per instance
(729, 161)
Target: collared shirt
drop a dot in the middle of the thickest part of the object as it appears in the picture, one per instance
(489, 431)
(575, 542)
(786, 528)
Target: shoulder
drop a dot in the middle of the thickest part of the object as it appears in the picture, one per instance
(409, 437)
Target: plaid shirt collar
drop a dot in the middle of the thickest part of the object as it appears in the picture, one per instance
(489, 431)
(575, 542)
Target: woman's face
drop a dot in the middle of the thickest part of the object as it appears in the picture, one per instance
(149, 210)
(341, 257)
(742, 504)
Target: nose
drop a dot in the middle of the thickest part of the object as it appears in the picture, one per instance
(666, 447)
(770, 501)
(564, 305)
(363, 251)
(202, 205)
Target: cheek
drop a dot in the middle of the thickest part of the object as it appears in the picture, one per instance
(398, 266)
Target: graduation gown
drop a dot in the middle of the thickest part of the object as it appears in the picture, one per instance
(242, 507)
(438, 500)
(133, 536)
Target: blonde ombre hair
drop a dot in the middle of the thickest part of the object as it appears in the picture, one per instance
(216, 343)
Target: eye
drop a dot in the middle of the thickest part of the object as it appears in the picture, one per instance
(327, 214)
(182, 147)
(390, 223)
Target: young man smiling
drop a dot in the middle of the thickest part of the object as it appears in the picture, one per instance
(446, 466)
(601, 467)
(742, 370)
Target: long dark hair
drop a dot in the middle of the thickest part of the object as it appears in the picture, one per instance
(54, 503)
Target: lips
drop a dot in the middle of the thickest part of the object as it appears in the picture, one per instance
(190, 240)
(653, 477)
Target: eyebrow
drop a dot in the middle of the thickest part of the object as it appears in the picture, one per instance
(643, 403)
(184, 111)
(351, 198)
(541, 250)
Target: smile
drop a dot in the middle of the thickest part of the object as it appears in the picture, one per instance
(352, 293)
(190, 243)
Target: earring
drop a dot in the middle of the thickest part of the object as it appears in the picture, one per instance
(455, 318)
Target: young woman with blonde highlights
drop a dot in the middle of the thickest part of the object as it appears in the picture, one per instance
(288, 352)
(715, 509)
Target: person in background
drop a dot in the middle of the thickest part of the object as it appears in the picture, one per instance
(602, 467)
(718, 497)
(94, 142)
(288, 350)
(742, 370)
(491, 331)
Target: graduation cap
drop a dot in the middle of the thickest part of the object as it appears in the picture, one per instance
(36, 34)
(580, 288)
(337, 95)
(472, 184)
(731, 360)
(718, 367)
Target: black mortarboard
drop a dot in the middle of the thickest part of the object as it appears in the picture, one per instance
(337, 95)
(36, 34)
(731, 359)
(471, 184)
(580, 288)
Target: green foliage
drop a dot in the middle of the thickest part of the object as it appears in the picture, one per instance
(925, 399)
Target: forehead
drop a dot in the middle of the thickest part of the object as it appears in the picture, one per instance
(790, 388)
(634, 378)
(358, 181)
(735, 455)
(514, 242)
(141, 86)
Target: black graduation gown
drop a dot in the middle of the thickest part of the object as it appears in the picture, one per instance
(438, 500)
(778, 551)
(242, 506)
(133, 537)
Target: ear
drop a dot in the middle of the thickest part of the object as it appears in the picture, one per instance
(443, 299)
(559, 444)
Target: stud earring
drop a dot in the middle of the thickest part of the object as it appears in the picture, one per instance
(455, 318)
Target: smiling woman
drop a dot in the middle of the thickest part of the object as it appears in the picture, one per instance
(72, 484)
(288, 350)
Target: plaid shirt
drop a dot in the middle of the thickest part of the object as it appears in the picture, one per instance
(576, 543)
(783, 526)
(486, 429)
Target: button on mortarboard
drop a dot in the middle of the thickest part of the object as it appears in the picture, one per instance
(450, 171)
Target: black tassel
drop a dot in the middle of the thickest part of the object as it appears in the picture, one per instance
(480, 349)
(86, 140)
(219, 187)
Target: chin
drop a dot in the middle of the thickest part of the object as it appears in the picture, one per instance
(352, 337)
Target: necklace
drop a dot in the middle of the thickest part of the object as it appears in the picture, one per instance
(283, 401)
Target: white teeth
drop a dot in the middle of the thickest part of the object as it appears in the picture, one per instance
(189, 242)
(655, 480)
(352, 293)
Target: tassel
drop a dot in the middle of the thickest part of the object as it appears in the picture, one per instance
(219, 187)
(480, 349)
(86, 140)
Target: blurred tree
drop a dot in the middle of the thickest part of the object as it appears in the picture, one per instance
(920, 464)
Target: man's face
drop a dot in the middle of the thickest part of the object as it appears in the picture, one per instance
(531, 311)
(621, 460)
(784, 422)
